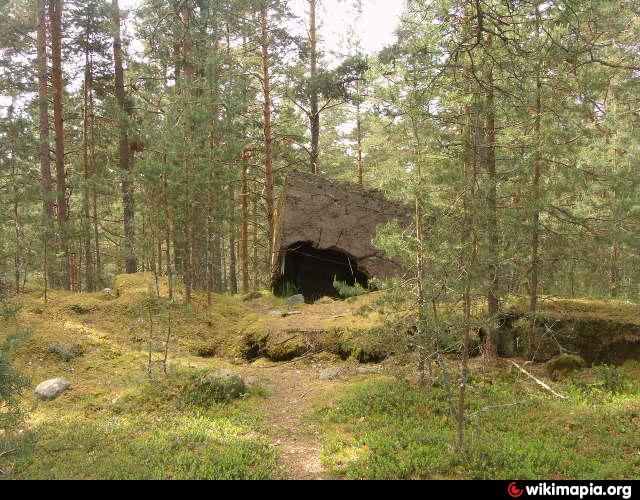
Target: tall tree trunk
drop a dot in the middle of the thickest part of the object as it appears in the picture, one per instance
(159, 247)
(18, 246)
(94, 189)
(535, 200)
(124, 160)
(359, 138)
(614, 282)
(470, 237)
(17, 256)
(266, 113)
(420, 270)
(186, 171)
(55, 19)
(86, 231)
(43, 116)
(493, 303)
(210, 232)
(233, 267)
(314, 113)
(254, 238)
(244, 244)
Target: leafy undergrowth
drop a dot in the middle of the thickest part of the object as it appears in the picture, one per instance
(385, 429)
(153, 429)
(113, 422)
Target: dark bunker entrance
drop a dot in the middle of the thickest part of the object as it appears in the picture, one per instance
(311, 272)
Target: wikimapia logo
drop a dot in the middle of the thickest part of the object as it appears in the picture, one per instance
(581, 491)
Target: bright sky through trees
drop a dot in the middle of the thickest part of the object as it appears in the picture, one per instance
(379, 21)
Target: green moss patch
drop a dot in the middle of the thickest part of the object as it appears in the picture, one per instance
(385, 428)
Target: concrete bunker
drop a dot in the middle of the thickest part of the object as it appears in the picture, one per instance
(323, 232)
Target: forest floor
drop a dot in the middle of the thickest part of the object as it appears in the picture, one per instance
(313, 416)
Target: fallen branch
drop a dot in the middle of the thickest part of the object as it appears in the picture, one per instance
(4, 453)
(307, 354)
(538, 381)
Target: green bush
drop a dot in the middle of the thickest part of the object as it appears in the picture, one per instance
(609, 379)
(9, 310)
(389, 429)
(347, 291)
(286, 290)
(11, 381)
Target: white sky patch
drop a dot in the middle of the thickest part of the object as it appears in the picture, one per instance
(375, 28)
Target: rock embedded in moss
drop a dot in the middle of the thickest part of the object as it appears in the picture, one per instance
(223, 385)
(324, 300)
(563, 365)
(329, 373)
(206, 350)
(80, 309)
(251, 346)
(600, 332)
(289, 349)
(296, 299)
(252, 296)
(66, 352)
(52, 388)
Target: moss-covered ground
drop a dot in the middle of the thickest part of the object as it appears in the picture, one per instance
(371, 421)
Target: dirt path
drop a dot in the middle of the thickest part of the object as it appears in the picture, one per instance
(287, 408)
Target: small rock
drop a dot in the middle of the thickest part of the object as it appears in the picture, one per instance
(329, 373)
(296, 299)
(66, 352)
(290, 313)
(108, 293)
(225, 384)
(324, 300)
(252, 296)
(80, 309)
(563, 365)
(365, 370)
(52, 388)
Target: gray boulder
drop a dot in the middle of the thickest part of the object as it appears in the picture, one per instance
(329, 373)
(296, 299)
(225, 385)
(52, 388)
(66, 352)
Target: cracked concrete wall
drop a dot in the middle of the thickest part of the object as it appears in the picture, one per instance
(338, 216)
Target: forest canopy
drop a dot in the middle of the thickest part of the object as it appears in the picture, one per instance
(512, 123)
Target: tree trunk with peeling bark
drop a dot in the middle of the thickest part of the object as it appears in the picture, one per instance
(124, 160)
(55, 19)
(43, 129)
(266, 113)
(314, 112)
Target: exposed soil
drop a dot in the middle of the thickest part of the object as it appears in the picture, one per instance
(287, 409)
